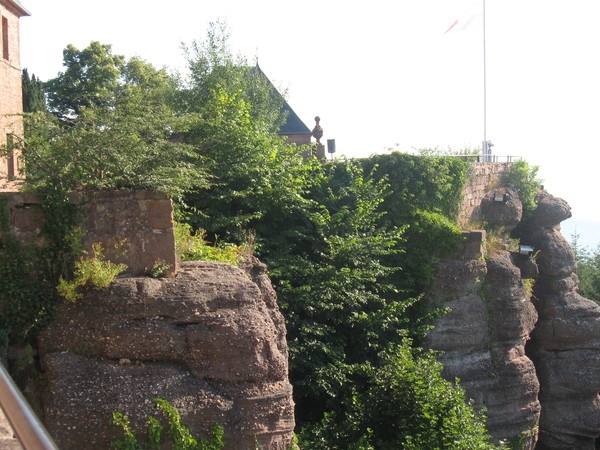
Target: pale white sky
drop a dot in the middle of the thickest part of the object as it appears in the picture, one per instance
(384, 73)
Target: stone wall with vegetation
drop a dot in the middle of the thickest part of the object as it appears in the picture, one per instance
(138, 223)
(482, 177)
(518, 335)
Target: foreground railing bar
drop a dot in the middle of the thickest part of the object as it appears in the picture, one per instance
(481, 158)
(29, 430)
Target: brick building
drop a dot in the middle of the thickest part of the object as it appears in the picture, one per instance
(11, 103)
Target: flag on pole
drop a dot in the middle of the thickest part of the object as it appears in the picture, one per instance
(469, 16)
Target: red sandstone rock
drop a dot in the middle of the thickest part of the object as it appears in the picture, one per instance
(211, 341)
(483, 340)
(483, 336)
(565, 344)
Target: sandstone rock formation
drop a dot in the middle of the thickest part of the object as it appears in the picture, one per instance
(211, 341)
(483, 340)
(506, 213)
(483, 336)
(509, 347)
(565, 344)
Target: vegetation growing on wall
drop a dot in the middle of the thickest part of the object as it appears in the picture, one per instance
(178, 436)
(30, 273)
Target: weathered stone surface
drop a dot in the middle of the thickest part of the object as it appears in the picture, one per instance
(456, 278)
(211, 341)
(565, 345)
(483, 339)
(550, 212)
(507, 213)
(141, 220)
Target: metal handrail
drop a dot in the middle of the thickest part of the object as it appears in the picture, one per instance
(482, 158)
(27, 427)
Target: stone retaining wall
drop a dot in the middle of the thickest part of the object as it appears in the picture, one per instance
(143, 220)
(483, 177)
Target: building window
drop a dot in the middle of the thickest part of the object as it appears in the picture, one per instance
(5, 52)
(10, 159)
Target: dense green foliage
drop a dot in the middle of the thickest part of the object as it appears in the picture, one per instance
(179, 436)
(588, 269)
(90, 79)
(114, 129)
(34, 97)
(350, 245)
(31, 272)
(406, 405)
(426, 194)
(254, 174)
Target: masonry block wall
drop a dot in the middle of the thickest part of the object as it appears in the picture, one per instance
(142, 220)
(483, 177)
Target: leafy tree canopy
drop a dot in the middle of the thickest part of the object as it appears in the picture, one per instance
(215, 71)
(90, 78)
(406, 405)
(114, 130)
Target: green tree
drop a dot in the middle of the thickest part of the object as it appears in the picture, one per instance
(90, 78)
(34, 98)
(118, 132)
(334, 288)
(588, 269)
(215, 71)
(257, 178)
(406, 405)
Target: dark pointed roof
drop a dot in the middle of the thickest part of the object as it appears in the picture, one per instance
(293, 124)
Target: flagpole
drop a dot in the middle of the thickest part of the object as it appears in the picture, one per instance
(486, 147)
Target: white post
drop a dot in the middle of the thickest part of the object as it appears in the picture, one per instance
(485, 148)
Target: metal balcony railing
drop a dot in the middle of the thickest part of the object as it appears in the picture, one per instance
(27, 427)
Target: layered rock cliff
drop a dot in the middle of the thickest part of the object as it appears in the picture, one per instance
(565, 344)
(483, 336)
(211, 341)
(523, 342)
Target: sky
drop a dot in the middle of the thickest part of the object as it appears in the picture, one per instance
(386, 74)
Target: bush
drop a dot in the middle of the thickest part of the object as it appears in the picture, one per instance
(179, 436)
(193, 246)
(406, 405)
(90, 272)
(524, 179)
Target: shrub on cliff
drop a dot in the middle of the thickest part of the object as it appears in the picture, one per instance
(588, 269)
(406, 404)
(523, 178)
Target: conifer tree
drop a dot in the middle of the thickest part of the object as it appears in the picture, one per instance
(34, 98)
